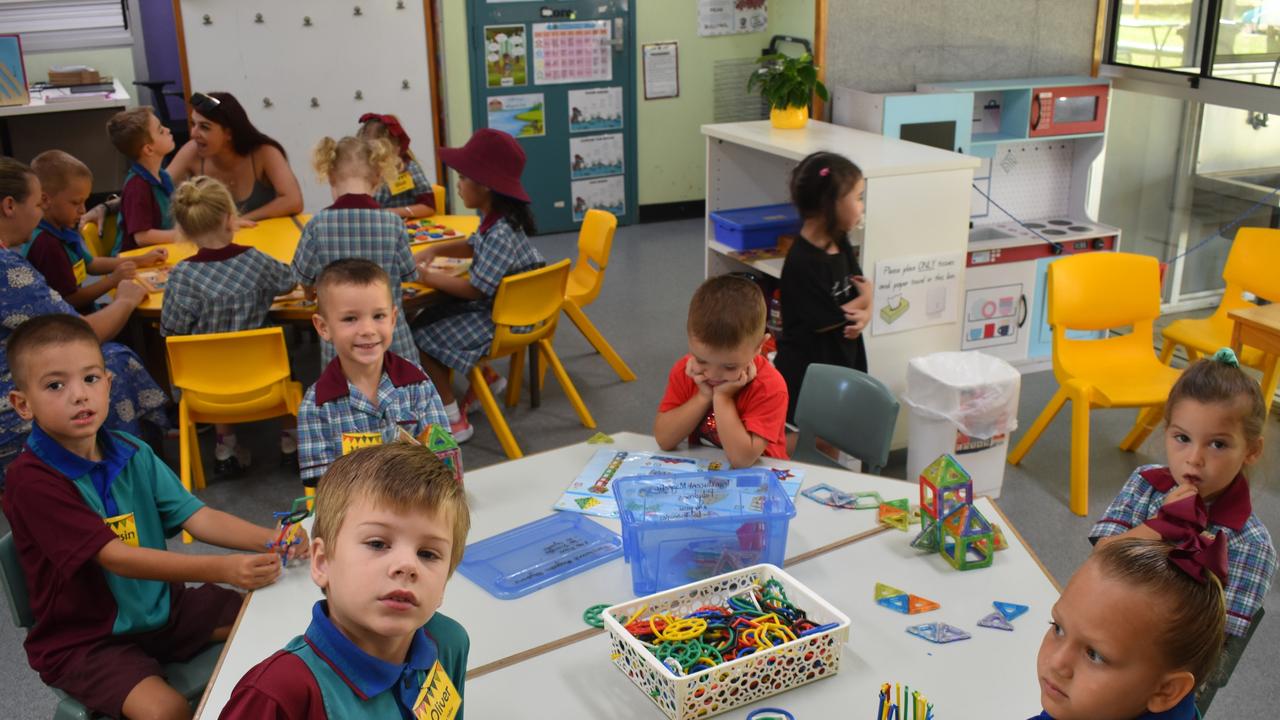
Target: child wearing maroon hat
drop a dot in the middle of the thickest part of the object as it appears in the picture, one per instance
(456, 335)
(411, 194)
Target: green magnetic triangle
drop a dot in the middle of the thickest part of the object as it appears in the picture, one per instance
(901, 522)
(927, 540)
(883, 591)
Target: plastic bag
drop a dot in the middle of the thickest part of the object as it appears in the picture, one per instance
(978, 393)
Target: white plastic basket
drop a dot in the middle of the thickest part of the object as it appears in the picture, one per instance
(737, 682)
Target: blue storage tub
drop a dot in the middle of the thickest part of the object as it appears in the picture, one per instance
(755, 227)
(677, 529)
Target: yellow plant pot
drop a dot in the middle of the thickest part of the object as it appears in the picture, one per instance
(792, 118)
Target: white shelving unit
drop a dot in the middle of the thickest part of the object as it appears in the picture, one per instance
(917, 203)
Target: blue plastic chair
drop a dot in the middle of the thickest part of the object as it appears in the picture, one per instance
(849, 409)
(188, 678)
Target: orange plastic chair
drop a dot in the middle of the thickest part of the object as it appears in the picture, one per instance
(533, 299)
(1100, 291)
(230, 377)
(1251, 267)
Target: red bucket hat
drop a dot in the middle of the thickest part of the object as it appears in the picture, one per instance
(492, 158)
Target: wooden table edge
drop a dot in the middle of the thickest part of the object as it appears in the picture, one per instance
(226, 646)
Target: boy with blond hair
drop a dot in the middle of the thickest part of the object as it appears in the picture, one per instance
(390, 526)
(724, 392)
(144, 201)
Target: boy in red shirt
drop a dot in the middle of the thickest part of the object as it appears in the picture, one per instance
(724, 392)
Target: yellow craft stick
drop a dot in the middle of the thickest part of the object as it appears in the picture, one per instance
(637, 615)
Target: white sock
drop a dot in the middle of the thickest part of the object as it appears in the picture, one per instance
(452, 412)
(225, 446)
(289, 441)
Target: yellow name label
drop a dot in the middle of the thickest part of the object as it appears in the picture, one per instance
(402, 183)
(79, 270)
(125, 528)
(439, 699)
(353, 441)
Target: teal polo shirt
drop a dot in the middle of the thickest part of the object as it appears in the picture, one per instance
(129, 481)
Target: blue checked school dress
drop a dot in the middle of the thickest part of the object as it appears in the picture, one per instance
(356, 227)
(421, 192)
(224, 290)
(460, 332)
(134, 395)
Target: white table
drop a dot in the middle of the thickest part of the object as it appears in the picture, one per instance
(76, 126)
(504, 632)
(991, 675)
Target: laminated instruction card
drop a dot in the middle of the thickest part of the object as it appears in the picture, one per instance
(591, 492)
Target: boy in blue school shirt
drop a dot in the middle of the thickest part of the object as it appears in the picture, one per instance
(390, 526)
(90, 511)
(367, 394)
(144, 200)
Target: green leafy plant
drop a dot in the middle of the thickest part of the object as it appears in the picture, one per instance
(785, 81)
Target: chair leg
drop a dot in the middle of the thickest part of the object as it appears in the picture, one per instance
(537, 371)
(1166, 351)
(593, 336)
(186, 440)
(515, 377)
(1033, 433)
(563, 377)
(1148, 420)
(494, 413)
(1270, 374)
(1080, 402)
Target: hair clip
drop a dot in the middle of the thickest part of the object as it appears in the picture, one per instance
(1227, 356)
(824, 171)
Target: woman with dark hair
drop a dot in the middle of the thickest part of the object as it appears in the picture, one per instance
(225, 145)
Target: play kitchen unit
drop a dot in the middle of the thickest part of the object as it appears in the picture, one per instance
(912, 244)
(1037, 140)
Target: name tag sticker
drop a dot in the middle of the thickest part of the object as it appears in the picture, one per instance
(125, 528)
(352, 441)
(402, 183)
(79, 271)
(439, 699)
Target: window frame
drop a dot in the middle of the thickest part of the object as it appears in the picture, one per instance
(61, 39)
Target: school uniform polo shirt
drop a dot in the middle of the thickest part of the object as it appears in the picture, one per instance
(1251, 556)
(226, 289)
(761, 404)
(144, 205)
(322, 674)
(335, 417)
(60, 256)
(64, 509)
(411, 187)
(1184, 710)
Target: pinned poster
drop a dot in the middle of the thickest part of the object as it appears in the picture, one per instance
(608, 194)
(595, 156)
(731, 17)
(595, 109)
(572, 52)
(505, 58)
(915, 292)
(519, 116)
(661, 70)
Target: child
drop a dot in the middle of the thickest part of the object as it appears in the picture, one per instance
(144, 201)
(1214, 418)
(56, 248)
(410, 195)
(825, 300)
(390, 527)
(1137, 630)
(458, 334)
(224, 287)
(724, 392)
(368, 392)
(90, 511)
(355, 226)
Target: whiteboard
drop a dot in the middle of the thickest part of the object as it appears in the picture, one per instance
(288, 63)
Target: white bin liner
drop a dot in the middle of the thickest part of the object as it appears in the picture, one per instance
(978, 393)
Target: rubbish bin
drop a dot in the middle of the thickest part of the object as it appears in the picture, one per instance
(965, 404)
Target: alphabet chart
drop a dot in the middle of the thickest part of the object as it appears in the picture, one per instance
(572, 52)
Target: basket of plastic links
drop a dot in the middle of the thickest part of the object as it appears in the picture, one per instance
(716, 644)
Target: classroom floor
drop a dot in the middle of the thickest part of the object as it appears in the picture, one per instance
(653, 271)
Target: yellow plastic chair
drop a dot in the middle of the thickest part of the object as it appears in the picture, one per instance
(100, 247)
(230, 377)
(1251, 267)
(438, 192)
(1099, 291)
(534, 299)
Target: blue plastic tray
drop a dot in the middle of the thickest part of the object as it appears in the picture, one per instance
(544, 552)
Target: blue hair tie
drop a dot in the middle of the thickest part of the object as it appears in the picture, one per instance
(1227, 356)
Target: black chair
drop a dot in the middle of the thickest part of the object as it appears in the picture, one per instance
(1232, 650)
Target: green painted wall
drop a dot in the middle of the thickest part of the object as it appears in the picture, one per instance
(672, 155)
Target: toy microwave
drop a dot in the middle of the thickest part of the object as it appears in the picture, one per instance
(1068, 110)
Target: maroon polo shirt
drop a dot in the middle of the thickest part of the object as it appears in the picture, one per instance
(218, 254)
(281, 686)
(355, 201)
(333, 383)
(1231, 509)
(140, 209)
(47, 255)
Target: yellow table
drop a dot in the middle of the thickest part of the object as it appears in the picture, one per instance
(1259, 327)
(278, 237)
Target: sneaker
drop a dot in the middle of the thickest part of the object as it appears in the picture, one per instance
(461, 430)
(497, 385)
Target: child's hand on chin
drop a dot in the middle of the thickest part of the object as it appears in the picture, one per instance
(730, 388)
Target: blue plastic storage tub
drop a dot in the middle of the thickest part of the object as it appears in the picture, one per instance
(755, 227)
(680, 528)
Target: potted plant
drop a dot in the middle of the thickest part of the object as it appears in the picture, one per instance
(787, 83)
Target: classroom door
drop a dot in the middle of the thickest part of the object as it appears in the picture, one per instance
(559, 75)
